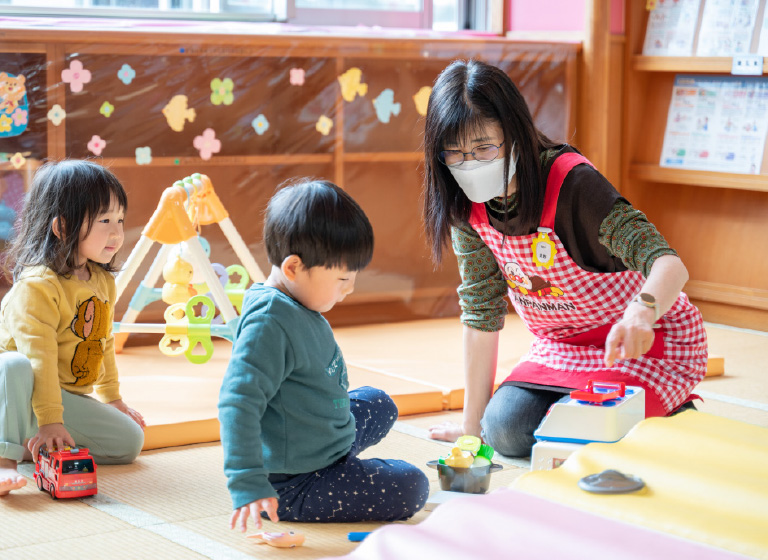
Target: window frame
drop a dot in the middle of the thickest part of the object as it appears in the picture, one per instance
(281, 10)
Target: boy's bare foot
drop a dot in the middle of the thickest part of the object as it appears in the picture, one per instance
(10, 479)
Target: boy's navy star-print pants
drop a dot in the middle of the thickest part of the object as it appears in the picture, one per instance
(354, 489)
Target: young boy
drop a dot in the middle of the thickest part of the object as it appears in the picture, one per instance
(289, 428)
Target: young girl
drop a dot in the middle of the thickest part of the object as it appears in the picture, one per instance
(56, 342)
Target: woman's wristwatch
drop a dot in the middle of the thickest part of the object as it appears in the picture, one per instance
(647, 300)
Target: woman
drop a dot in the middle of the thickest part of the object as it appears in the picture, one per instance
(590, 277)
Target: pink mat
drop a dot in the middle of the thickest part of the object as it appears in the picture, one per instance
(511, 524)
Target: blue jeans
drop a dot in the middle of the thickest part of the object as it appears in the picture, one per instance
(354, 489)
(512, 415)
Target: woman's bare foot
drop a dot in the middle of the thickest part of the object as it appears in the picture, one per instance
(10, 479)
(447, 431)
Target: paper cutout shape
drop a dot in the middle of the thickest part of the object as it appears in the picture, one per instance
(75, 76)
(177, 113)
(126, 74)
(19, 117)
(421, 100)
(221, 91)
(57, 114)
(324, 125)
(207, 144)
(12, 92)
(96, 145)
(385, 106)
(14, 109)
(351, 85)
(143, 155)
(107, 109)
(18, 160)
(260, 124)
(297, 76)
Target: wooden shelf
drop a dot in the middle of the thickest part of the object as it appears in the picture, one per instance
(726, 293)
(274, 159)
(383, 156)
(658, 174)
(688, 64)
(222, 161)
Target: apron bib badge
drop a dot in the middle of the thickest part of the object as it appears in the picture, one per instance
(543, 248)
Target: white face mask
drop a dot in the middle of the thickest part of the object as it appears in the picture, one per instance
(481, 181)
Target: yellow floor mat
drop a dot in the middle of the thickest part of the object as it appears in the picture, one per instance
(174, 504)
(706, 480)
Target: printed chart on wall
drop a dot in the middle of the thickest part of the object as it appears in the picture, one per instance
(716, 124)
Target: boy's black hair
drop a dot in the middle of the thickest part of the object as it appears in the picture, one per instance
(320, 223)
(468, 95)
(75, 192)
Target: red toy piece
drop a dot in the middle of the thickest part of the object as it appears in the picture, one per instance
(69, 473)
(598, 392)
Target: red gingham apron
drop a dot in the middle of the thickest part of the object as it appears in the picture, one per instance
(570, 311)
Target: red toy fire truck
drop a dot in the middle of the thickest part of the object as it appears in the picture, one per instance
(69, 473)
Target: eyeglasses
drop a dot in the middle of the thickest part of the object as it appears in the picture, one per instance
(455, 158)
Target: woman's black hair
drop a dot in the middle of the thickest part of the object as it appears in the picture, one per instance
(74, 192)
(320, 223)
(466, 97)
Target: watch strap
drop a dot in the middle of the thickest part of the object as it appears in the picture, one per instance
(654, 306)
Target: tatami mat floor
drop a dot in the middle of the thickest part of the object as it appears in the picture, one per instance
(173, 503)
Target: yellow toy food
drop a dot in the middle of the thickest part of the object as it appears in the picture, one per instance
(459, 459)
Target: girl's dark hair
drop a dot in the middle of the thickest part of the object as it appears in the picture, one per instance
(320, 223)
(75, 192)
(467, 96)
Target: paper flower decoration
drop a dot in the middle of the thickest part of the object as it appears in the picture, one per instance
(260, 124)
(385, 105)
(18, 160)
(5, 123)
(107, 109)
(421, 100)
(56, 115)
(207, 143)
(143, 155)
(221, 91)
(324, 125)
(126, 74)
(297, 76)
(19, 117)
(75, 76)
(96, 145)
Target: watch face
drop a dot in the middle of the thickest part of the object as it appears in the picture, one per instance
(648, 298)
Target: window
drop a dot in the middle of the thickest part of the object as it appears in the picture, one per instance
(253, 10)
(439, 15)
(77, 466)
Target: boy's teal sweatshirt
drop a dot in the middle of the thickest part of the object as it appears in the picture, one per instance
(283, 405)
